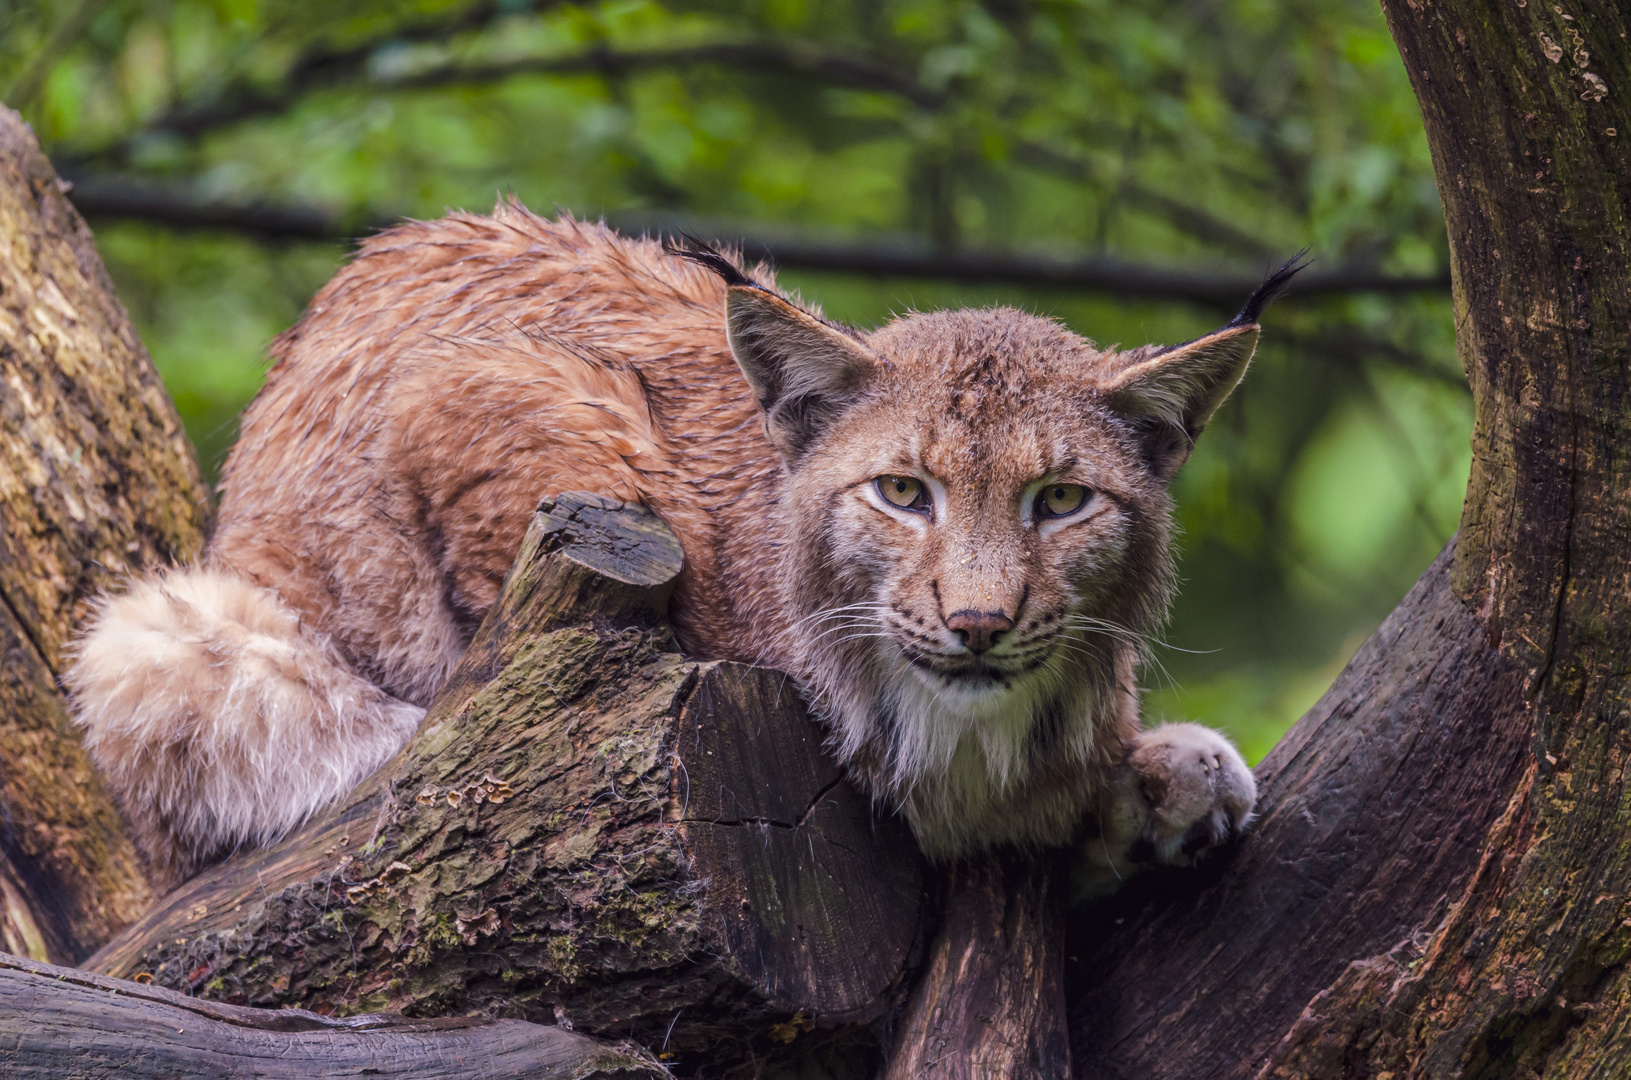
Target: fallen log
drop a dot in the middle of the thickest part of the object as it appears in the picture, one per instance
(589, 829)
(97, 479)
(63, 1024)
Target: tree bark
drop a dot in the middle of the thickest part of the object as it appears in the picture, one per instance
(96, 479)
(989, 1003)
(62, 1024)
(590, 829)
(1437, 886)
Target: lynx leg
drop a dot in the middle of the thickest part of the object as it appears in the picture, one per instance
(1183, 791)
(219, 719)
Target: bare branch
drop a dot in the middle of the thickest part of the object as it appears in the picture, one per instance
(23, 89)
(897, 256)
(324, 69)
(105, 197)
(1198, 222)
(776, 57)
(317, 67)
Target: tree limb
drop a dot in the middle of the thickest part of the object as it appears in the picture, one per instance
(1437, 886)
(103, 197)
(775, 57)
(587, 825)
(323, 69)
(1205, 226)
(97, 479)
(317, 67)
(60, 1022)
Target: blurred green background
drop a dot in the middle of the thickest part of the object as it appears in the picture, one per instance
(1209, 137)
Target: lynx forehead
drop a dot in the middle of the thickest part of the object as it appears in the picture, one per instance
(953, 530)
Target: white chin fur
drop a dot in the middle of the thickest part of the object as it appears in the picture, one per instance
(961, 763)
(219, 719)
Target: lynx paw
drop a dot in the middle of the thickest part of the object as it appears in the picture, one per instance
(1199, 790)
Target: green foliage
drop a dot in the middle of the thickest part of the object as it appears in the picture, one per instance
(1200, 135)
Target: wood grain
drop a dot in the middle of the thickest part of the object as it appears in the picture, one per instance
(1438, 885)
(989, 1004)
(1373, 817)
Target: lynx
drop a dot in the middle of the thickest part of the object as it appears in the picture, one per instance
(954, 530)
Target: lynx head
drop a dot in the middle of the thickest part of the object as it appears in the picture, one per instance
(976, 505)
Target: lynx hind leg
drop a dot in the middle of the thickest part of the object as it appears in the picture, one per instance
(220, 720)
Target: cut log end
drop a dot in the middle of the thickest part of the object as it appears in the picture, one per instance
(618, 540)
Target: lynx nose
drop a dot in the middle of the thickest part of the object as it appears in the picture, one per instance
(978, 630)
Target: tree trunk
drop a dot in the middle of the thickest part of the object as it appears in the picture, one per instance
(60, 1024)
(589, 829)
(96, 479)
(1438, 884)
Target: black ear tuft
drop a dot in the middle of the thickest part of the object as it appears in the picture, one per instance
(802, 369)
(699, 251)
(1272, 286)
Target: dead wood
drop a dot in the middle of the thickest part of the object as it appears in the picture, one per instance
(990, 1000)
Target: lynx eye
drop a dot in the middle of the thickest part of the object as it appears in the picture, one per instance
(1060, 500)
(905, 492)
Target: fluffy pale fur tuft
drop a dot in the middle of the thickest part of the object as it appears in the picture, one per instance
(220, 719)
(456, 371)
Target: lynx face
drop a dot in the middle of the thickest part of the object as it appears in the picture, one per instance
(977, 525)
(975, 530)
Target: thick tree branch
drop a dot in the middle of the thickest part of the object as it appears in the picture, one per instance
(96, 480)
(588, 825)
(1437, 887)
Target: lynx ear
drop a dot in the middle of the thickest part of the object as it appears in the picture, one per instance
(1170, 393)
(803, 370)
(1169, 396)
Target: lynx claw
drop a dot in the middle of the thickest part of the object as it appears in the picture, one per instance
(1199, 790)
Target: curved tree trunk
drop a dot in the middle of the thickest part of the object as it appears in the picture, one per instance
(96, 479)
(1439, 884)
